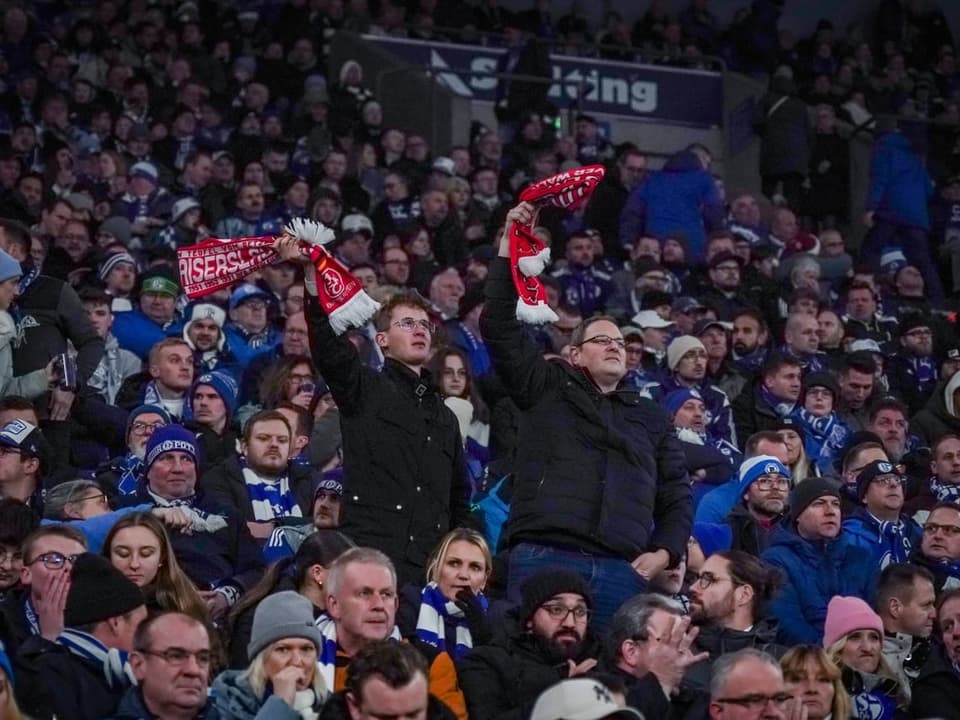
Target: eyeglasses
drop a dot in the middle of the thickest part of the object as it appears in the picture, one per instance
(767, 482)
(887, 481)
(54, 560)
(139, 427)
(706, 579)
(99, 498)
(10, 556)
(605, 341)
(951, 530)
(561, 612)
(255, 305)
(757, 702)
(409, 325)
(920, 332)
(177, 657)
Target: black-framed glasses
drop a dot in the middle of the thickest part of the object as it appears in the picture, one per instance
(706, 579)
(887, 481)
(757, 701)
(561, 612)
(605, 341)
(139, 427)
(99, 498)
(178, 657)
(54, 560)
(409, 325)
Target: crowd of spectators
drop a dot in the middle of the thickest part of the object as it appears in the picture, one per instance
(724, 482)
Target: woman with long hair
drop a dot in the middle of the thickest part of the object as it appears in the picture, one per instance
(815, 683)
(139, 547)
(282, 673)
(450, 611)
(853, 639)
(293, 379)
(304, 573)
(801, 468)
(450, 368)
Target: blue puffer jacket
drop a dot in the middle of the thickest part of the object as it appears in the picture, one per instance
(881, 543)
(138, 333)
(814, 573)
(899, 183)
(680, 197)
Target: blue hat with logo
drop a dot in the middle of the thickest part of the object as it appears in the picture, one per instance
(247, 292)
(169, 438)
(752, 469)
(224, 385)
(675, 400)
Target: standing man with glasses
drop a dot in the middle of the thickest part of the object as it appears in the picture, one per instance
(748, 685)
(405, 482)
(171, 661)
(601, 485)
(546, 639)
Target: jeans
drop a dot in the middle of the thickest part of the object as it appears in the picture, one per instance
(612, 580)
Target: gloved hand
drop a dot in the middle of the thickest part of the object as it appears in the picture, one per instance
(476, 616)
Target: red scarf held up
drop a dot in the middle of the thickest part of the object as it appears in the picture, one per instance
(217, 263)
(528, 254)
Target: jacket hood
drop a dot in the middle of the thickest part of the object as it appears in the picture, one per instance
(718, 640)
(683, 161)
(948, 392)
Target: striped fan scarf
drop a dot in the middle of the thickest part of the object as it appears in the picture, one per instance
(434, 610)
(945, 492)
(328, 650)
(116, 669)
(270, 499)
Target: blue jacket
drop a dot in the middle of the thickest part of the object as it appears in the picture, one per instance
(245, 347)
(96, 529)
(132, 707)
(137, 333)
(717, 504)
(680, 197)
(814, 573)
(899, 183)
(719, 416)
(866, 533)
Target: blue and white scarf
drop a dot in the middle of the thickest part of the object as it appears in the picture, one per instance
(783, 408)
(924, 370)
(116, 669)
(825, 436)
(893, 539)
(945, 492)
(328, 650)
(152, 396)
(270, 498)
(435, 609)
(130, 468)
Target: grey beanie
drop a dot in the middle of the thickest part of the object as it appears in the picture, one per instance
(282, 615)
(119, 227)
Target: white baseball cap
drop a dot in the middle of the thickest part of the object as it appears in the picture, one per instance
(649, 319)
(580, 699)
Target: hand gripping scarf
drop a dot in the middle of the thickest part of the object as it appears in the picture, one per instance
(528, 255)
(216, 263)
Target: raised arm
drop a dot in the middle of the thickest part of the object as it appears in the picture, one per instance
(518, 362)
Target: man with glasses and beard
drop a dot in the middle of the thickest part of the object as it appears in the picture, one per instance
(544, 640)
(764, 484)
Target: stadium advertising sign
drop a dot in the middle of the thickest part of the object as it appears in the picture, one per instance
(675, 95)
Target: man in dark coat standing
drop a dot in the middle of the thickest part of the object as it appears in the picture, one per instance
(405, 483)
(601, 486)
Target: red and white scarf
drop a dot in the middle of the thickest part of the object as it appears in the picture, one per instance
(216, 263)
(529, 256)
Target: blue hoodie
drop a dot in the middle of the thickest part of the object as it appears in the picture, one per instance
(899, 183)
(682, 197)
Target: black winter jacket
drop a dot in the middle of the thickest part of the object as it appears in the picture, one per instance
(751, 415)
(224, 483)
(502, 680)
(405, 486)
(749, 535)
(718, 641)
(936, 691)
(601, 473)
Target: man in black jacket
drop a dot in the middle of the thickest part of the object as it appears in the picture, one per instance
(601, 485)
(544, 640)
(763, 489)
(936, 691)
(405, 480)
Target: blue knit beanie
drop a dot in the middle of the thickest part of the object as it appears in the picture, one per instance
(753, 468)
(143, 410)
(169, 438)
(9, 268)
(224, 385)
(675, 400)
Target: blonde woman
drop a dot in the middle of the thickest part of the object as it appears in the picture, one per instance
(282, 680)
(815, 683)
(450, 611)
(853, 639)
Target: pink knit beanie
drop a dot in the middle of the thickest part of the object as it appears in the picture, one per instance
(846, 614)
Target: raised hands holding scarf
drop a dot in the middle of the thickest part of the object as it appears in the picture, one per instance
(218, 262)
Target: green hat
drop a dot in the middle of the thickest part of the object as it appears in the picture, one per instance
(160, 284)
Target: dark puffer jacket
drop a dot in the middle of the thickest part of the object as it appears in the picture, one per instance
(502, 680)
(936, 420)
(936, 691)
(718, 641)
(224, 483)
(406, 485)
(603, 473)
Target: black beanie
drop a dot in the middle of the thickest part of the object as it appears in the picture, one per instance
(98, 591)
(549, 583)
(806, 492)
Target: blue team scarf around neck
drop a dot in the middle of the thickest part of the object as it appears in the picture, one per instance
(327, 662)
(783, 408)
(116, 669)
(893, 539)
(435, 609)
(944, 492)
(130, 469)
(818, 426)
(924, 370)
